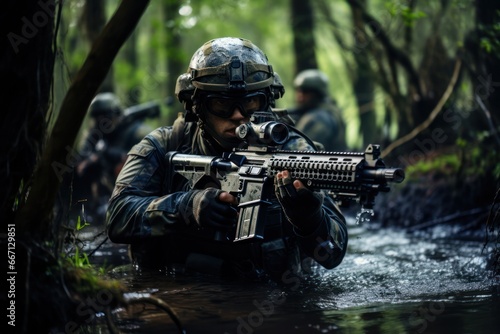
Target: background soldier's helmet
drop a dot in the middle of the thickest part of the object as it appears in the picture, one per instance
(312, 81)
(105, 105)
(228, 66)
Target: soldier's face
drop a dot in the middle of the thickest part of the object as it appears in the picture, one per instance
(303, 97)
(106, 123)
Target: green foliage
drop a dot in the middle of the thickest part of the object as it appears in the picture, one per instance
(445, 164)
(86, 279)
(195, 22)
(80, 225)
(490, 41)
(471, 159)
(77, 258)
(479, 158)
(409, 16)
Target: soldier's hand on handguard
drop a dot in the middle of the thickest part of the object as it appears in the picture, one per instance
(210, 207)
(302, 207)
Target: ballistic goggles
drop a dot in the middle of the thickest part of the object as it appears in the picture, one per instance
(223, 106)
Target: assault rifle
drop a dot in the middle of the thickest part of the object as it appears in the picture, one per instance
(248, 174)
(138, 112)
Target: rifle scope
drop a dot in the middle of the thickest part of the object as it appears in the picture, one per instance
(267, 133)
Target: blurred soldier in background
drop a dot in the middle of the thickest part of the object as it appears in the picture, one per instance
(316, 114)
(113, 132)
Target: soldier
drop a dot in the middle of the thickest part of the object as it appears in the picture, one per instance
(103, 152)
(316, 114)
(228, 80)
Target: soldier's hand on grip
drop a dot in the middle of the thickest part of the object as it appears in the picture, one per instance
(302, 207)
(209, 207)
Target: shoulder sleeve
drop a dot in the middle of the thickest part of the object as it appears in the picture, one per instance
(140, 205)
(297, 142)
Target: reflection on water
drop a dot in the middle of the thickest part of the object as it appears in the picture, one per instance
(388, 282)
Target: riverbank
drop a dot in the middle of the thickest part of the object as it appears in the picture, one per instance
(442, 204)
(430, 201)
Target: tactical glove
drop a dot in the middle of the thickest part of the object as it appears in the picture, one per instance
(302, 207)
(204, 208)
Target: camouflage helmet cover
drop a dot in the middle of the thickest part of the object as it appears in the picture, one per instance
(228, 65)
(312, 80)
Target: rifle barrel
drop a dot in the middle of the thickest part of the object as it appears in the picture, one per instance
(396, 175)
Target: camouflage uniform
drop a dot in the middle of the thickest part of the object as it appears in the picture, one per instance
(146, 210)
(318, 117)
(142, 214)
(323, 125)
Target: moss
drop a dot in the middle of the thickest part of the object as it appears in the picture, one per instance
(466, 160)
(57, 295)
(445, 164)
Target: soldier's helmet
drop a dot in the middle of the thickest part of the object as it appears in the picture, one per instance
(231, 67)
(105, 105)
(312, 80)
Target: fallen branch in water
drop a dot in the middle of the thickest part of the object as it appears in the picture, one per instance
(448, 219)
(146, 300)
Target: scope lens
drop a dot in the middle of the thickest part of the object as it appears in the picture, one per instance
(278, 133)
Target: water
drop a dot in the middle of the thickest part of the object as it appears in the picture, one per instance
(389, 282)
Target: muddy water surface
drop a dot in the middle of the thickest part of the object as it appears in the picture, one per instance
(389, 282)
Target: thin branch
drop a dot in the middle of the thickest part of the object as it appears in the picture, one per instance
(489, 119)
(147, 299)
(392, 51)
(450, 218)
(432, 115)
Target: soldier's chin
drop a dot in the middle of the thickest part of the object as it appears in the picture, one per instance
(229, 143)
(230, 133)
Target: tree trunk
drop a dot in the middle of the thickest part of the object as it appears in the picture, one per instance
(485, 68)
(94, 18)
(363, 82)
(303, 34)
(58, 158)
(175, 61)
(27, 61)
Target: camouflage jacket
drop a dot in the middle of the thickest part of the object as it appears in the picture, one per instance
(322, 124)
(144, 214)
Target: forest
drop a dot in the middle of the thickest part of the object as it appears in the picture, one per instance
(420, 78)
